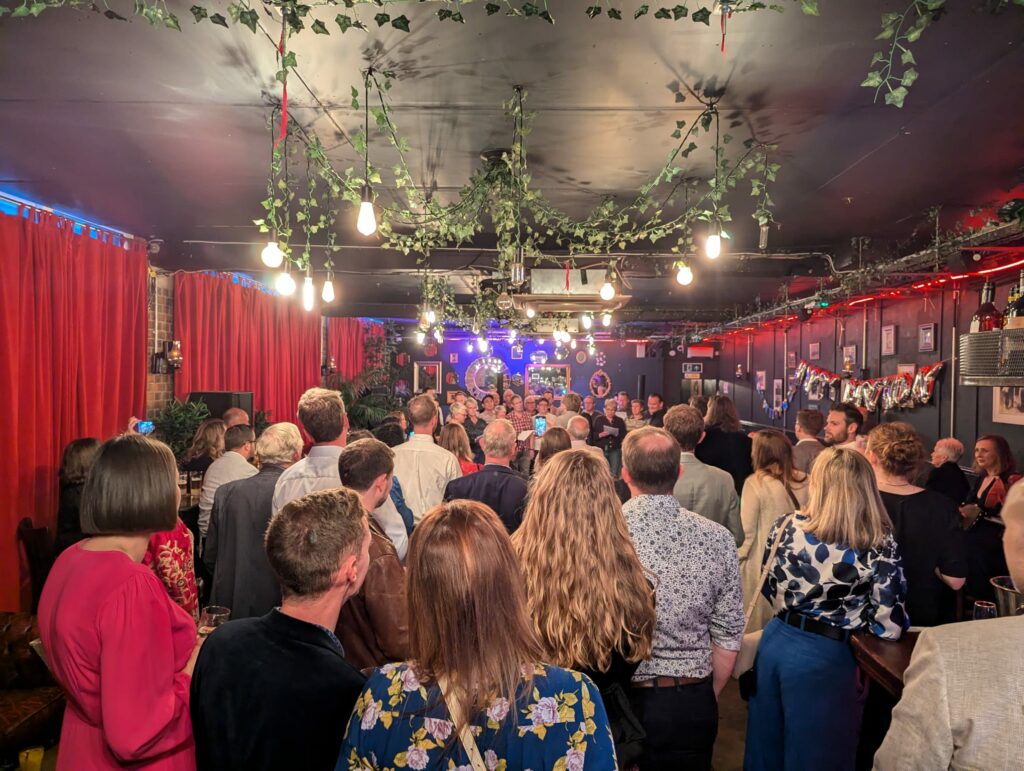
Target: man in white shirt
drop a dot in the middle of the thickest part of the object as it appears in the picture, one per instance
(424, 469)
(961, 703)
(807, 448)
(579, 433)
(322, 413)
(843, 426)
(229, 467)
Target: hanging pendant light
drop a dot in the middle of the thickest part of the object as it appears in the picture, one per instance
(328, 293)
(608, 288)
(272, 255)
(285, 284)
(684, 274)
(606, 319)
(308, 292)
(366, 223)
(713, 243)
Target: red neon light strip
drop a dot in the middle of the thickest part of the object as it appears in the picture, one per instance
(1001, 268)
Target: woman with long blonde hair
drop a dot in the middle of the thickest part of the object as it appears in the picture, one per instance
(836, 571)
(589, 596)
(475, 684)
(455, 439)
(774, 489)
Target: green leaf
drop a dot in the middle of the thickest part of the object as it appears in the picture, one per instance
(198, 12)
(444, 13)
(873, 80)
(914, 34)
(37, 8)
(288, 60)
(896, 96)
(400, 22)
(680, 11)
(615, 13)
(492, 8)
(705, 121)
(219, 20)
(663, 13)
(355, 98)
(641, 11)
(113, 15)
(886, 33)
(250, 19)
(382, 19)
(171, 22)
(809, 7)
(233, 10)
(909, 77)
(907, 57)
(594, 10)
(529, 9)
(21, 10)
(320, 28)
(344, 22)
(877, 58)
(547, 17)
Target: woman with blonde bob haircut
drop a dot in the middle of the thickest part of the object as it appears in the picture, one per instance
(475, 686)
(774, 489)
(207, 446)
(836, 571)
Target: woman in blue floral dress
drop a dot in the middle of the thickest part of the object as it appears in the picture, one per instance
(500, 708)
(837, 571)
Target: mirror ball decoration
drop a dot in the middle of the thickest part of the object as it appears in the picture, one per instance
(517, 380)
(539, 357)
(483, 373)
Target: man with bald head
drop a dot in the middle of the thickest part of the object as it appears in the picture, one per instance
(699, 623)
(963, 690)
(424, 469)
(579, 432)
(235, 416)
(496, 484)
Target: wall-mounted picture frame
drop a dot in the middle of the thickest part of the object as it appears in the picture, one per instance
(761, 380)
(926, 338)
(426, 374)
(813, 351)
(453, 358)
(849, 358)
(725, 387)
(1008, 405)
(516, 351)
(777, 394)
(791, 359)
(889, 340)
(906, 369)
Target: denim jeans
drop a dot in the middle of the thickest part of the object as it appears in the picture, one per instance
(614, 458)
(808, 703)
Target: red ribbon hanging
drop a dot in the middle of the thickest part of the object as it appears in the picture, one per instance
(567, 276)
(284, 92)
(725, 15)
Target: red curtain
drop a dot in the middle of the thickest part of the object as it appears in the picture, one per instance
(346, 343)
(238, 338)
(72, 361)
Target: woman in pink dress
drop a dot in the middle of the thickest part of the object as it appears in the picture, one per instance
(120, 647)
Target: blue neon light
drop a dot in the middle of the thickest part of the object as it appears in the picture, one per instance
(10, 208)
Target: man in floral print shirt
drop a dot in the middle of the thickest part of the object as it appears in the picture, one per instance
(699, 606)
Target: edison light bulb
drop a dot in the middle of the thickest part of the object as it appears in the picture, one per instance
(285, 284)
(572, 343)
(482, 345)
(606, 319)
(511, 335)
(420, 336)
(272, 255)
(713, 246)
(438, 334)
(431, 316)
(469, 346)
(607, 291)
(308, 293)
(367, 221)
(685, 274)
(328, 293)
(588, 321)
(530, 312)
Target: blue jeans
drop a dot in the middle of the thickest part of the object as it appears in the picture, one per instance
(614, 458)
(808, 702)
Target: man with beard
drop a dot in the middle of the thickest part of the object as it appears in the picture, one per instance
(843, 426)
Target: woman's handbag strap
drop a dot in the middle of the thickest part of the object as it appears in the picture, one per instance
(466, 732)
(764, 570)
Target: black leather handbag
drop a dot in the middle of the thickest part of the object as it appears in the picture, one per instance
(627, 732)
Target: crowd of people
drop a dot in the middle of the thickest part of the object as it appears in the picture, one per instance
(464, 588)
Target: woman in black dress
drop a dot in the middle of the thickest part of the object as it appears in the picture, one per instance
(607, 433)
(74, 468)
(926, 526)
(946, 476)
(725, 445)
(207, 446)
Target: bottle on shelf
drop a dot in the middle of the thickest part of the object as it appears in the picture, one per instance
(987, 317)
(1014, 315)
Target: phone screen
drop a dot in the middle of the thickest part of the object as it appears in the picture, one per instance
(144, 426)
(540, 425)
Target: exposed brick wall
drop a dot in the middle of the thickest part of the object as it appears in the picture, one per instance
(159, 388)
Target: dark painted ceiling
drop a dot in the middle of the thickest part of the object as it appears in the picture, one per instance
(165, 134)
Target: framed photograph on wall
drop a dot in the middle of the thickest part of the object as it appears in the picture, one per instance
(889, 340)
(1008, 405)
(453, 358)
(814, 351)
(777, 394)
(426, 374)
(761, 380)
(791, 359)
(516, 352)
(849, 358)
(906, 369)
(725, 387)
(926, 338)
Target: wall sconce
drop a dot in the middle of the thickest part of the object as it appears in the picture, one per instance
(168, 360)
(739, 371)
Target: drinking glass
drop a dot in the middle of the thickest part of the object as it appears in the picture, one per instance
(195, 483)
(183, 484)
(211, 618)
(983, 609)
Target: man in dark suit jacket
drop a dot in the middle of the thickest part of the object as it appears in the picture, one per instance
(234, 553)
(275, 692)
(656, 409)
(496, 485)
